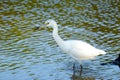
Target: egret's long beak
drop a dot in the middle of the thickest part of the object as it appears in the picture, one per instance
(38, 26)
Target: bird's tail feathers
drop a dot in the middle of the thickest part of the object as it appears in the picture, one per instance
(102, 52)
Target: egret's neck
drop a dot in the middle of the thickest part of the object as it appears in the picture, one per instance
(56, 36)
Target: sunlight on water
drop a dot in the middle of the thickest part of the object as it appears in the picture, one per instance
(27, 53)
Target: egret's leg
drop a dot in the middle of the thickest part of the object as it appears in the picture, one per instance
(81, 67)
(73, 68)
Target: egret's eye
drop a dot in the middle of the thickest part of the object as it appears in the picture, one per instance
(46, 23)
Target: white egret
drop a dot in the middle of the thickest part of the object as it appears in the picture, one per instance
(77, 49)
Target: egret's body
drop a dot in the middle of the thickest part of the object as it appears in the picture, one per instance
(78, 49)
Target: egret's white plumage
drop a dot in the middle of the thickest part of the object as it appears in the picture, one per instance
(79, 50)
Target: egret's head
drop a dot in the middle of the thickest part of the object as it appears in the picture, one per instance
(50, 23)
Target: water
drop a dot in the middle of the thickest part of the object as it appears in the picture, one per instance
(29, 54)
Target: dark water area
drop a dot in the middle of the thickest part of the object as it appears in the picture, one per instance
(30, 54)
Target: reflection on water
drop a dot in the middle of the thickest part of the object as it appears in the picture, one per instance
(81, 78)
(30, 54)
